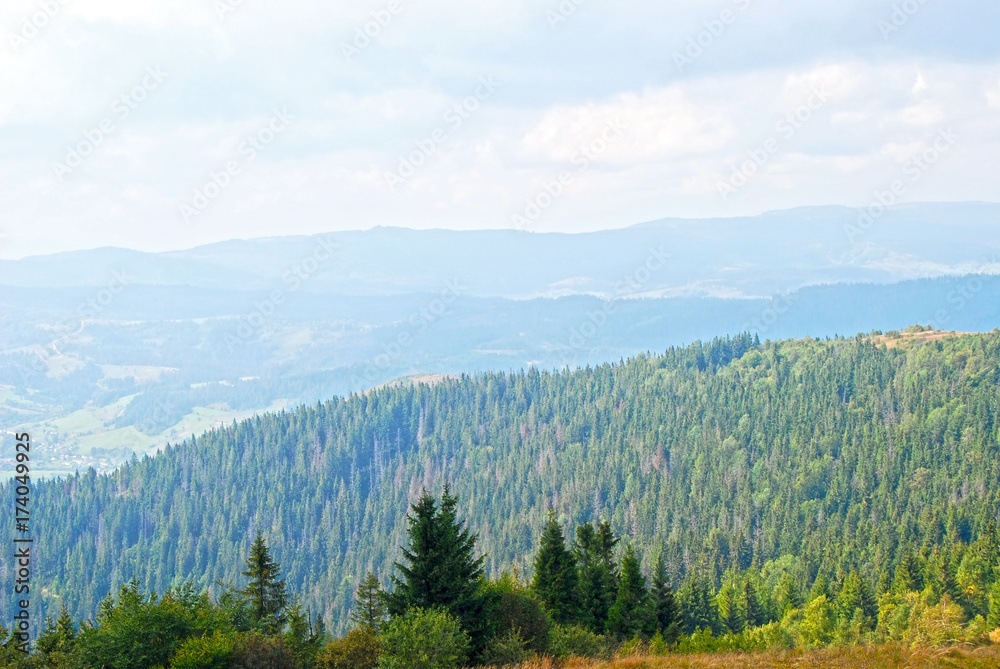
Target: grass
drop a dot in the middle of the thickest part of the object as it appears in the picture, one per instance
(858, 657)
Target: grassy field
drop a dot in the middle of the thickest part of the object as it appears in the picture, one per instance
(875, 657)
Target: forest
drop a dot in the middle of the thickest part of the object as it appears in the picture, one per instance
(779, 494)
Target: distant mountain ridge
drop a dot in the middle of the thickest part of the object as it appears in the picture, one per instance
(738, 257)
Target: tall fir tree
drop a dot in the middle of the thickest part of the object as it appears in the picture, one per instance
(753, 611)
(556, 582)
(597, 585)
(993, 621)
(442, 570)
(369, 605)
(664, 603)
(266, 592)
(630, 615)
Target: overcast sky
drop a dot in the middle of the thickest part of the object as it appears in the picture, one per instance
(162, 125)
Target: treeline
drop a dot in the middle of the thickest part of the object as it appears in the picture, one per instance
(734, 460)
(441, 612)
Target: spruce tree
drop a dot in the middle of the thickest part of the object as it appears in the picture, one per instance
(753, 612)
(369, 605)
(441, 569)
(555, 581)
(597, 586)
(664, 603)
(630, 614)
(993, 621)
(266, 592)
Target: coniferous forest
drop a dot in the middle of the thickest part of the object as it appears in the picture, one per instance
(727, 496)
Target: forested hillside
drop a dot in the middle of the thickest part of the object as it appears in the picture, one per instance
(823, 457)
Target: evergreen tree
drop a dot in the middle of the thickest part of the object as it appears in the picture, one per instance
(821, 587)
(905, 576)
(753, 612)
(596, 580)
(786, 596)
(266, 591)
(555, 581)
(664, 603)
(993, 621)
(369, 605)
(695, 600)
(630, 614)
(442, 570)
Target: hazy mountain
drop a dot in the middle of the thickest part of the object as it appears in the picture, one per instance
(750, 256)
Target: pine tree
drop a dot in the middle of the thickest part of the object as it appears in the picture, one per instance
(664, 603)
(596, 580)
(369, 605)
(630, 614)
(442, 570)
(555, 581)
(266, 591)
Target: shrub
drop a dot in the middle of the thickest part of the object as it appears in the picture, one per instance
(205, 652)
(574, 641)
(358, 650)
(431, 639)
(938, 625)
(520, 611)
(255, 651)
(506, 650)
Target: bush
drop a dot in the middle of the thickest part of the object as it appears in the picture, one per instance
(421, 639)
(255, 651)
(519, 611)
(507, 650)
(574, 641)
(360, 649)
(205, 652)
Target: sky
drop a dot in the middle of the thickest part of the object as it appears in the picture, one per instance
(165, 125)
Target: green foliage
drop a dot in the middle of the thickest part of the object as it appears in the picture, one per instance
(256, 651)
(205, 652)
(844, 454)
(505, 650)
(575, 641)
(360, 649)
(666, 614)
(135, 631)
(631, 614)
(593, 551)
(994, 617)
(419, 639)
(556, 579)
(442, 570)
(519, 616)
(265, 592)
(818, 622)
(369, 605)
